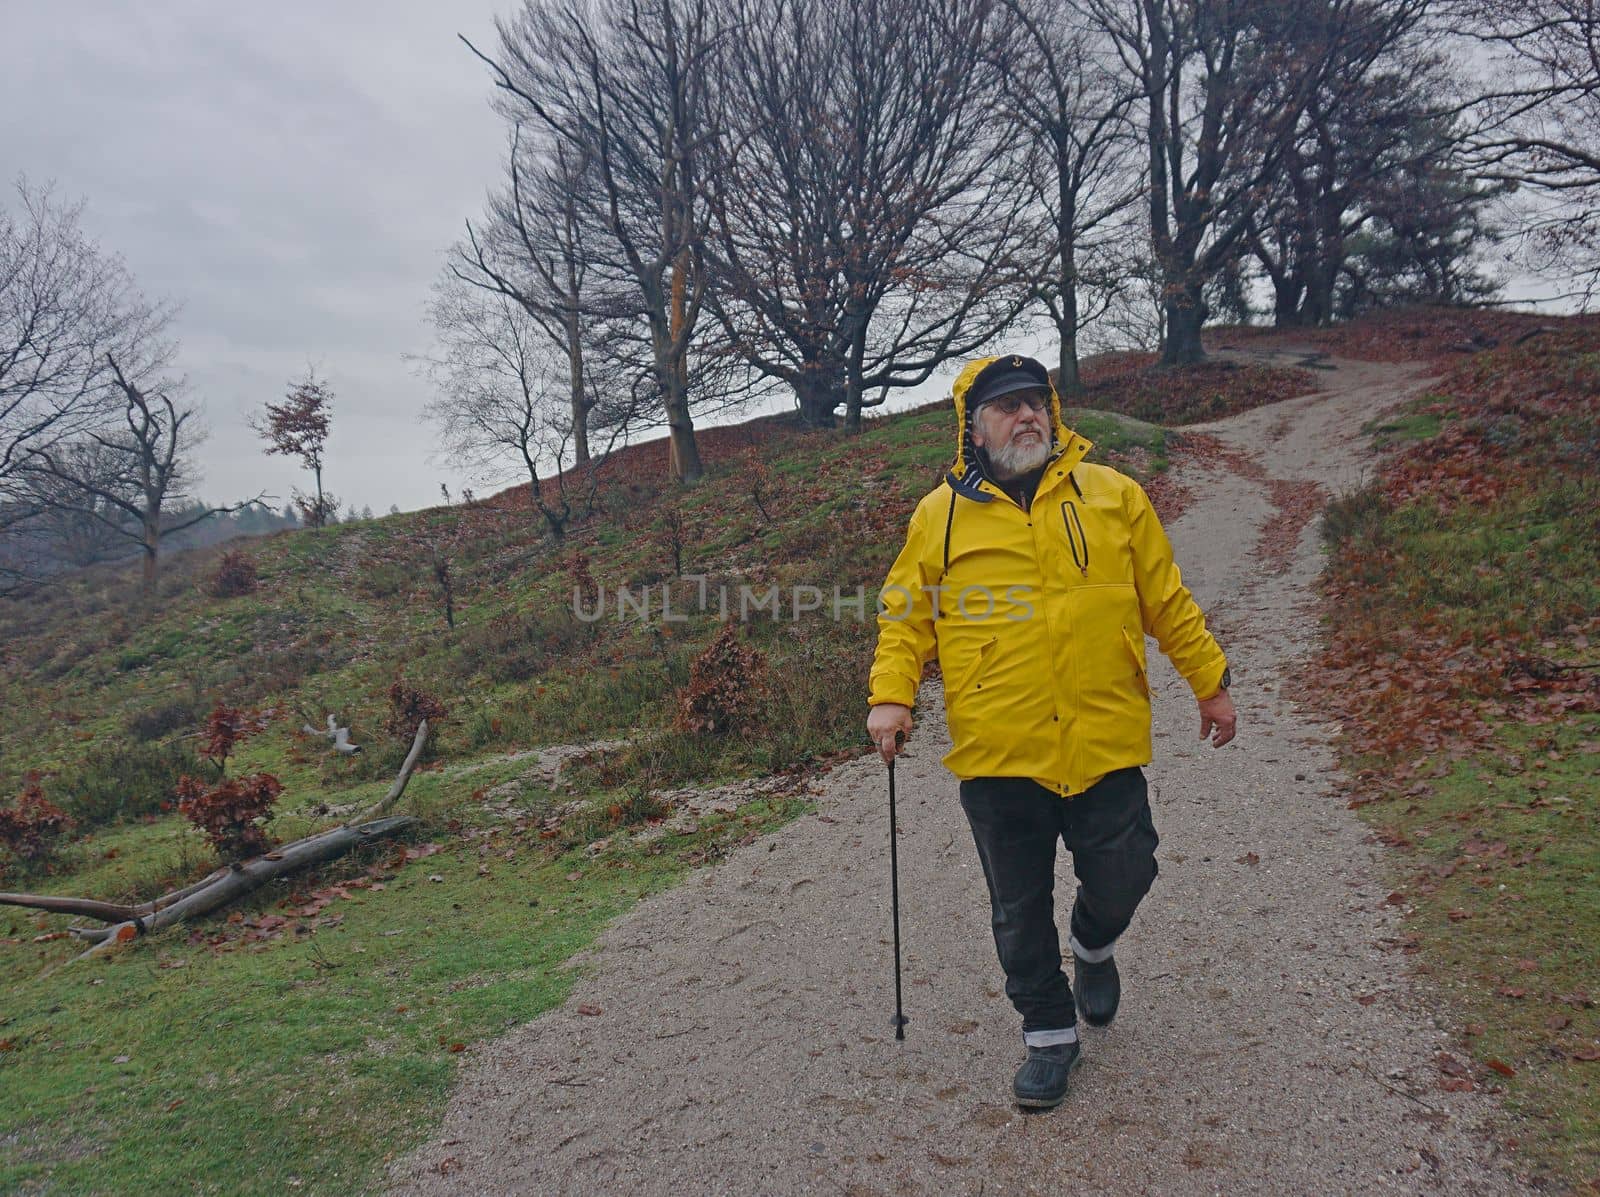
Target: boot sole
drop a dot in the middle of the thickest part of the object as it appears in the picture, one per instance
(1048, 1103)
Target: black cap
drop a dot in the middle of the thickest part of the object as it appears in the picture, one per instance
(1004, 375)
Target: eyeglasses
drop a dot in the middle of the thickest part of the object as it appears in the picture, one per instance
(1011, 404)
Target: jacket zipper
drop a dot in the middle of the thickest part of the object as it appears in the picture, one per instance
(1069, 515)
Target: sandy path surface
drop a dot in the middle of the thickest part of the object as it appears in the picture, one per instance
(1268, 1040)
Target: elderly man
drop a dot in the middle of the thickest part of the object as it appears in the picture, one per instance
(1035, 577)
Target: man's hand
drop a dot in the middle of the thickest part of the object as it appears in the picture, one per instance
(886, 721)
(1217, 718)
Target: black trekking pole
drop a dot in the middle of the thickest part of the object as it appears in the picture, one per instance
(900, 1019)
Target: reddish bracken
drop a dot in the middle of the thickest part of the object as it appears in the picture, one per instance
(224, 728)
(230, 812)
(408, 707)
(724, 684)
(32, 829)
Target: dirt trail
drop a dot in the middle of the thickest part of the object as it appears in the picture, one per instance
(744, 1045)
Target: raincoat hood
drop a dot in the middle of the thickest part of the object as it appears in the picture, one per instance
(967, 475)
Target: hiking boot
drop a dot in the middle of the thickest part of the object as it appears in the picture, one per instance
(1041, 1082)
(1098, 989)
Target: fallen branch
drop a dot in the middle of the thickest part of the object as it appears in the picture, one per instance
(399, 787)
(227, 884)
(109, 912)
(340, 736)
(1543, 669)
(251, 875)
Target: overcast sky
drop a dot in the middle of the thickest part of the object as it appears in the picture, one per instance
(290, 175)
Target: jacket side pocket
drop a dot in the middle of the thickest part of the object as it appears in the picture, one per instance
(1138, 662)
(973, 674)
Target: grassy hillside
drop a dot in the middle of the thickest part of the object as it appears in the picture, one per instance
(1464, 614)
(303, 1038)
(311, 1032)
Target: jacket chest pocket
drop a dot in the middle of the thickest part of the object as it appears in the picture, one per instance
(1098, 548)
(1077, 538)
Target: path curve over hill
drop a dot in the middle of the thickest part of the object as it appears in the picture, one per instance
(1268, 1040)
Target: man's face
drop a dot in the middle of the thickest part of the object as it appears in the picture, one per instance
(1017, 440)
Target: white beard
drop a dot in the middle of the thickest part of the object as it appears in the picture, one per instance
(1012, 460)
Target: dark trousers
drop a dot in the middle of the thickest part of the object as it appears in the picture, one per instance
(1015, 824)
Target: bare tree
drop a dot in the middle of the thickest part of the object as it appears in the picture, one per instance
(863, 233)
(1128, 295)
(539, 248)
(1205, 69)
(1537, 125)
(299, 427)
(64, 305)
(632, 82)
(1371, 183)
(501, 397)
(140, 466)
(1077, 160)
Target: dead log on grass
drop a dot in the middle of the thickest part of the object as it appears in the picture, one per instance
(234, 883)
(228, 884)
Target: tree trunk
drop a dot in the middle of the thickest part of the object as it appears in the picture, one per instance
(1317, 308)
(683, 455)
(1067, 380)
(816, 395)
(1286, 303)
(250, 876)
(580, 408)
(1186, 316)
(151, 543)
(854, 385)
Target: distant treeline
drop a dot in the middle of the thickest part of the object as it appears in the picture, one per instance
(73, 541)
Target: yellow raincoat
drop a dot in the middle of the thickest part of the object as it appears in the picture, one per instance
(1039, 616)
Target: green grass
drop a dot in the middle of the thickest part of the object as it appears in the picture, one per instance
(1505, 847)
(1118, 439)
(306, 1059)
(1527, 564)
(309, 1057)
(1464, 591)
(1412, 426)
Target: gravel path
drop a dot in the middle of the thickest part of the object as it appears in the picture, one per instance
(1268, 1042)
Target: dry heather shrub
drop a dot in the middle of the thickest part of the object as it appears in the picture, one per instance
(726, 685)
(32, 829)
(234, 576)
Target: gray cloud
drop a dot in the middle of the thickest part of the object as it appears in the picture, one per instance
(291, 176)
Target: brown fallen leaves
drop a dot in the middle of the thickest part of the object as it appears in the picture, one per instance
(1416, 334)
(1135, 385)
(304, 911)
